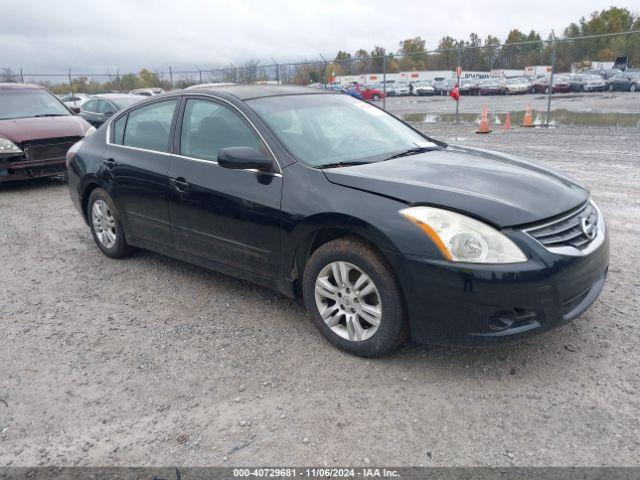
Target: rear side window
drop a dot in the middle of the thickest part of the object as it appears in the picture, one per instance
(91, 106)
(118, 130)
(148, 127)
(208, 126)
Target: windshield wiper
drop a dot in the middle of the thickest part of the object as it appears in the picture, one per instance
(49, 115)
(341, 164)
(410, 151)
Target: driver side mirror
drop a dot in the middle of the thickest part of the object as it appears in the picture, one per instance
(75, 110)
(240, 158)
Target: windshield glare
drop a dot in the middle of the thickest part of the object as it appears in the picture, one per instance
(332, 129)
(29, 103)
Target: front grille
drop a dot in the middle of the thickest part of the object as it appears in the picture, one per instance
(50, 149)
(576, 229)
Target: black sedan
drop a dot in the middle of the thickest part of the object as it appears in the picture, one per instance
(99, 108)
(386, 233)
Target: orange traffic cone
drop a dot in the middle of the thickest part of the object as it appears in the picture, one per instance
(507, 122)
(528, 118)
(484, 123)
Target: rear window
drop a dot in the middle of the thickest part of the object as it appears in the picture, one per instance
(118, 130)
(148, 127)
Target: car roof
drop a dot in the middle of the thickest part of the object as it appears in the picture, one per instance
(20, 86)
(247, 92)
(115, 96)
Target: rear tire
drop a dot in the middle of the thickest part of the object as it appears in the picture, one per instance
(365, 314)
(106, 225)
(376, 97)
(633, 87)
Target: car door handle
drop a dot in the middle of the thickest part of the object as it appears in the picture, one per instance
(179, 184)
(110, 163)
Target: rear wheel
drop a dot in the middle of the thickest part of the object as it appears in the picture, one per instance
(354, 298)
(376, 97)
(633, 87)
(611, 88)
(106, 226)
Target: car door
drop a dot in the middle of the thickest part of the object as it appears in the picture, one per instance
(136, 162)
(230, 217)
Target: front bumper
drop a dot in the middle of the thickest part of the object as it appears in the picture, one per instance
(467, 304)
(25, 169)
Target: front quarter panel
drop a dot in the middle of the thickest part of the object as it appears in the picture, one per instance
(311, 203)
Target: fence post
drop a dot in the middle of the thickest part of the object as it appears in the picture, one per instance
(70, 83)
(553, 71)
(171, 77)
(21, 76)
(458, 71)
(200, 73)
(384, 81)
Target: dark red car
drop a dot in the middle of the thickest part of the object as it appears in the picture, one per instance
(36, 131)
(560, 84)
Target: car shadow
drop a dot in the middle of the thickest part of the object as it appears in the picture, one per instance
(31, 184)
(528, 357)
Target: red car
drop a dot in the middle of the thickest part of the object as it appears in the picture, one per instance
(370, 93)
(560, 84)
(36, 131)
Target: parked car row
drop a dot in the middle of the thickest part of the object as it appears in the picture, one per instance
(590, 81)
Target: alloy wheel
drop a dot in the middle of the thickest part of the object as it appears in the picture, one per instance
(103, 223)
(348, 301)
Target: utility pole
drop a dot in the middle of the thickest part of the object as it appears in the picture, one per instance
(458, 72)
(277, 71)
(553, 71)
(384, 81)
(325, 71)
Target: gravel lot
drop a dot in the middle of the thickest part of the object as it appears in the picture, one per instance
(150, 361)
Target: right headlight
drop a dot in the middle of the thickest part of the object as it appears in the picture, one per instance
(464, 239)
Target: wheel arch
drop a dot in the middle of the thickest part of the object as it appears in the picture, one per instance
(321, 229)
(89, 187)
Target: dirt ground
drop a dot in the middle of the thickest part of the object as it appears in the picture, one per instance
(150, 361)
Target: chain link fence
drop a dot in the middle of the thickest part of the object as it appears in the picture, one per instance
(501, 77)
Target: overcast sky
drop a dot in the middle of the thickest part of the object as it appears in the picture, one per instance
(96, 36)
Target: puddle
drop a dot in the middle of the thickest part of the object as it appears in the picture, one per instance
(558, 117)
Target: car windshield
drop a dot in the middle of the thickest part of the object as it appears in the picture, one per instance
(23, 103)
(512, 81)
(593, 77)
(332, 129)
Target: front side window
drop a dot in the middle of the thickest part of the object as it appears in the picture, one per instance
(32, 102)
(208, 126)
(328, 129)
(148, 127)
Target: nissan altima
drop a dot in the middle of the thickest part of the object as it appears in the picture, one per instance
(387, 234)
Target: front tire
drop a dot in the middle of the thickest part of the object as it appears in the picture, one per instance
(106, 225)
(354, 298)
(376, 97)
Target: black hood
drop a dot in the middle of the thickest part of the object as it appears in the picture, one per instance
(500, 189)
